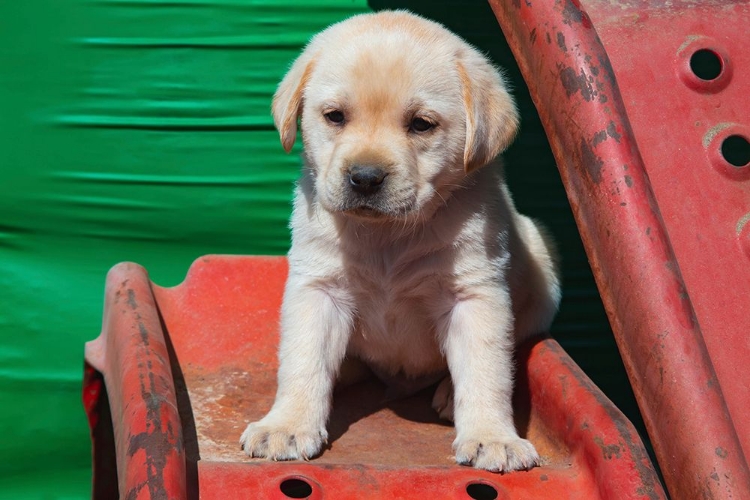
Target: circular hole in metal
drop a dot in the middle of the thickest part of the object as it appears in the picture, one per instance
(296, 488)
(706, 64)
(481, 491)
(736, 150)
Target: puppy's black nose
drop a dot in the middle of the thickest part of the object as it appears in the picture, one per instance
(365, 179)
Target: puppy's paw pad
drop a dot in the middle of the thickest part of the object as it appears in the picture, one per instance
(281, 442)
(497, 455)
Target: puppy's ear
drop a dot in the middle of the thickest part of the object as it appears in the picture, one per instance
(287, 101)
(491, 115)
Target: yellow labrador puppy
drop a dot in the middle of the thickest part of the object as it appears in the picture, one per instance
(406, 254)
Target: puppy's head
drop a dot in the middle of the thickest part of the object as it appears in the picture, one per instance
(394, 111)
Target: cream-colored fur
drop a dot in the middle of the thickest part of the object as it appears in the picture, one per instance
(435, 272)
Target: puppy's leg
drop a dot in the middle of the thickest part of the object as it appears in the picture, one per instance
(478, 345)
(442, 400)
(315, 329)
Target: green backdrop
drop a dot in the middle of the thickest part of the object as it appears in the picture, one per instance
(140, 130)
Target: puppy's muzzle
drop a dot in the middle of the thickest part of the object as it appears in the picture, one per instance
(366, 180)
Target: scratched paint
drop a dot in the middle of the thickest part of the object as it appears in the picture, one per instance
(577, 81)
(572, 14)
(742, 222)
(591, 161)
(629, 439)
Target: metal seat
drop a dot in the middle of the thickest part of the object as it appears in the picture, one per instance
(183, 369)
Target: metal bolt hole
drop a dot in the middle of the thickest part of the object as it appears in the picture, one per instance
(736, 150)
(706, 64)
(481, 491)
(296, 488)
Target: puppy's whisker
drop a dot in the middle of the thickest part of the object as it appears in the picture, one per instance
(445, 202)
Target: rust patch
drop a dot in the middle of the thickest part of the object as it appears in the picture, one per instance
(629, 183)
(591, 162)
(631, 441)
(532, 36)
(131, 299)
(133, 493)
(144, 333)
(612, 132)
(721, 452)
(572, 14)
(600, 137)
(574, 82)
(606, 66)
(608, 450)
(157, 442)
(561, 42)
(223, 402)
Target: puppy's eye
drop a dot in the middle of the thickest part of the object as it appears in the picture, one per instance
(335, 117)
(420, 125)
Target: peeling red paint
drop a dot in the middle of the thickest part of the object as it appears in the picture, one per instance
(572, 14)
(589, 159)
(612, 131)
(147, 430)
(574, 81)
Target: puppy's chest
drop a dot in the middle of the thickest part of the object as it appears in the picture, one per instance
(387, 311)
(391, 282)
(396, 301)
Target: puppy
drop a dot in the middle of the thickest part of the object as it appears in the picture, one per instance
(406, 254)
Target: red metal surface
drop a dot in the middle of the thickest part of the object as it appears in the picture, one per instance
(637, 138)
(218, 331)
(132, 355)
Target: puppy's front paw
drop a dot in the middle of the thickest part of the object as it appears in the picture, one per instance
(266, 439)
(497, 454)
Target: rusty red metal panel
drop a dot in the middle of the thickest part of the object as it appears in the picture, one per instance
(703, 198)
(221, 329)
(132, 355)
(638, 140)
